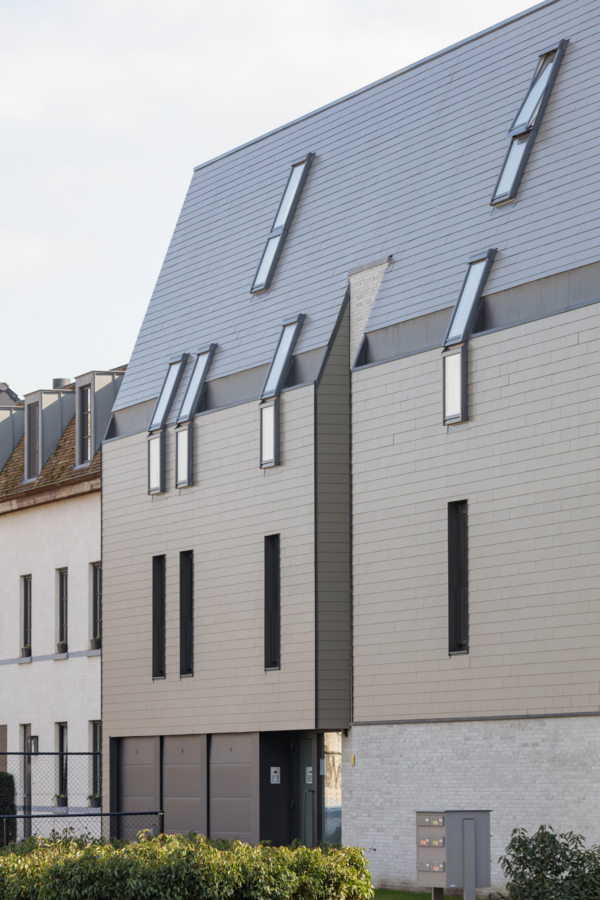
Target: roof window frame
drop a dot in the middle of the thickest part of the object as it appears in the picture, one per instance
(488, 256)
(157, 424)
(530, 128)
(298, 321)
(280, 232)
(208, 351)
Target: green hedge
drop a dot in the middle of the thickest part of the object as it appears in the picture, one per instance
(7, 806)
(547, 866)
(178, 868)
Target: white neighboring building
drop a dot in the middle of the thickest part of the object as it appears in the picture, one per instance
(51, 583)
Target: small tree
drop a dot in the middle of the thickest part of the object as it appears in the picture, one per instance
(7, 807)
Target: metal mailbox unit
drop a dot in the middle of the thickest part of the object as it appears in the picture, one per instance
(453, 851)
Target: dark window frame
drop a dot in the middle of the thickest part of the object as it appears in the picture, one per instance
(209, 352)
(516, 131)
(186, 613)
(63, 759)
(298, 321)
(464, 385)
(188, 431)
(272, 604)
(63, 607)
(282, 231)
(97, 600)
(270, 463)
(84, 441)
(159, 596)
(97, 758)
(458, 577)
(158, 424)
(27, 593)
(33, 454)
(489, 256)
(159, 437)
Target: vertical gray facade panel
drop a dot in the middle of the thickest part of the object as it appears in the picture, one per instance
(332, 533)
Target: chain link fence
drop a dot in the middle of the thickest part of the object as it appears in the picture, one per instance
(51, 794)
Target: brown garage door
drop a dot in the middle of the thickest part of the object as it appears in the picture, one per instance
(184, 784)
(234, 787)
(137, 774)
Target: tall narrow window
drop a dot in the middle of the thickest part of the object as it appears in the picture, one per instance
(269, 434)
(281, 224)
(63, 760)
(97, 601)
(27, 611)
(97, 759)
(156, 463)
(272, 603)
(168, 391)
(186, 612)
(158, 616)
(282, 357)
(526, 123)
(33, 440)
(63, 610)
(85, 424)
(458, 578)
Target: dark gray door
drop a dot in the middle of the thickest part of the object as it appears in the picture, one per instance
(185, 784)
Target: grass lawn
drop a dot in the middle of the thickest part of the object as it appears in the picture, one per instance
(401, 895)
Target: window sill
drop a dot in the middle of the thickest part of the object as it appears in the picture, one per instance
(24, 660)
(159, 678)
(458, 653)
(93, 652)
(272, 668)
(187, 675)
(60, 656)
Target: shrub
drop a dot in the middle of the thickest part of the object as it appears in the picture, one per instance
(180, 868)
(546, 866)
(7, 806)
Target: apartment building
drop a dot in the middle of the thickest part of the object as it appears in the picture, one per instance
(350, 486)
(51, 584)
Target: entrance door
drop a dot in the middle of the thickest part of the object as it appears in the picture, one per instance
(27, 780)
(306, 792)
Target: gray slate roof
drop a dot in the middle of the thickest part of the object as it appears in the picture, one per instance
(405, 167)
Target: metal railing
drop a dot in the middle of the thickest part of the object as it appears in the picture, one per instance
(90, 826)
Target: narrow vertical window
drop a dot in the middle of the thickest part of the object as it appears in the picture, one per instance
(272, 602)
(63, 760)
(27, 613)
(458, 581)
(455, 385)
(281, 224)
(186, 612)
(156, 463)
(269, 434)
(97, 759)
(158, 616)
(97, 602)
(85, 424)
(63, 610)
(184, 455)
(33, 440)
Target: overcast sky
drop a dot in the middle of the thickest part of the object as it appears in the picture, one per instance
(105, 107)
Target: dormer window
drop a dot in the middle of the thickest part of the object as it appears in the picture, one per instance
(281, 224)
(156, 430)
(526, 123)
(184, 433)
(85, 424)
(33, 441)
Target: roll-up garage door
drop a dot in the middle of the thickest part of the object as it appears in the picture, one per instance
(185, 784)
(137, 774)
(234, 787)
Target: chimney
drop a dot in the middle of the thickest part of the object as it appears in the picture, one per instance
(58, 383)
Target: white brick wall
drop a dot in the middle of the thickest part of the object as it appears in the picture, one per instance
(528, 772)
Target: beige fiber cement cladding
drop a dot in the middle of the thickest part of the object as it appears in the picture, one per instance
(223, 519)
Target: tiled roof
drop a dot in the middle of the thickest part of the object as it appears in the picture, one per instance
(58, 469)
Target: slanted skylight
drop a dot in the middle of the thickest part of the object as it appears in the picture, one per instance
(167, 393)
(196, 383)
(467, 305)
(283, 355)
(525, 127)
(281, 224)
